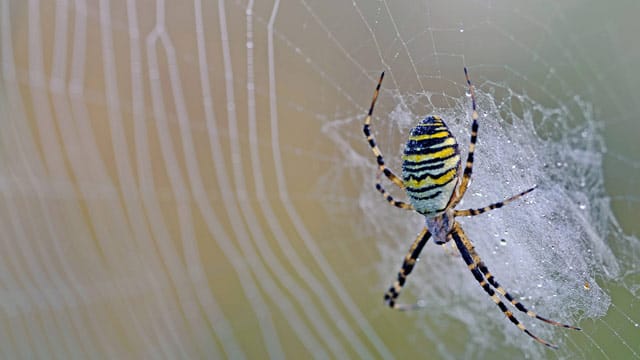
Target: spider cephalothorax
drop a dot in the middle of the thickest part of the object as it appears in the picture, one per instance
(431, 179)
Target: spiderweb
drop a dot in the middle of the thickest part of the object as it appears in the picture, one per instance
(190, 179)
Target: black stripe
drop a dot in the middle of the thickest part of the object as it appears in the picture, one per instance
(423, 168)
(366, 130)
(401, 279)
(430, 129)
(425, 143)
(411, 175)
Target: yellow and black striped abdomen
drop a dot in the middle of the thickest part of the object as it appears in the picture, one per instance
(430, 166)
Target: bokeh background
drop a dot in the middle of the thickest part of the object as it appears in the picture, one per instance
(188, 179)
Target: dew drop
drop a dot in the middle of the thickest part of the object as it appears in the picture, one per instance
(503, 242)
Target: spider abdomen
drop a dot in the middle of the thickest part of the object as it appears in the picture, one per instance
(430, 166)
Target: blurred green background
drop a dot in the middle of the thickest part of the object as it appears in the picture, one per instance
(169, 189)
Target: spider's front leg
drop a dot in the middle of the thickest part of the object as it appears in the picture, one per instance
(407, 266)
(385, 194)
(466, 176)
(372, 140)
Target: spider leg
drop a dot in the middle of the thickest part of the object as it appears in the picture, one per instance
(389, 198)
(474, 212)
(407, 266)
(465, 247)
(466, 176)
(372, 140)
(483, 268)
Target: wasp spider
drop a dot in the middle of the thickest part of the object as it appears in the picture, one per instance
(431, 179)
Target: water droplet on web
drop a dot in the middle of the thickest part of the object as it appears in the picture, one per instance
(461, 30)
(249, 44)
(503, 242)
(582, 206)
(539, 285)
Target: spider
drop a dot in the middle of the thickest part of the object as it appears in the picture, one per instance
(431, 170)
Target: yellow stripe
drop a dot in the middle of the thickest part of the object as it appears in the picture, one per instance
(451, 162)
(440, 134)
(412, 183)
(437, 155)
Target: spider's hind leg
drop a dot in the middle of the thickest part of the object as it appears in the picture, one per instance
(407, 266)
(487, 274)
(466, 249)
